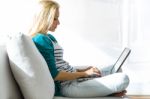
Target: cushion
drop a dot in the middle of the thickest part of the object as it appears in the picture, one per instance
(29, 68)
(8, 86)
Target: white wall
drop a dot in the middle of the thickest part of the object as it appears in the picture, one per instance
(88, 27)
(94, 32)
(15, 16)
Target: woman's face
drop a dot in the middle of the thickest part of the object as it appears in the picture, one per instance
(55, 21)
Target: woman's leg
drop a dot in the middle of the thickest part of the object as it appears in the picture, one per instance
(103, 86)
(105, 70)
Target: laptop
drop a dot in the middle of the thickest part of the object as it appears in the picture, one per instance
(124, 55)
(116, 67)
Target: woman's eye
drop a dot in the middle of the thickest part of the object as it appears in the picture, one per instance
(55, 18)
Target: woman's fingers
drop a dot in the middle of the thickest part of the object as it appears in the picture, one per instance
(97, 70)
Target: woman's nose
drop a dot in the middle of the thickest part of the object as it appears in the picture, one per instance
(58, 22)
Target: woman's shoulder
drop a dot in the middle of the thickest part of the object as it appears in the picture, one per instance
(41, 39)
(41, 36)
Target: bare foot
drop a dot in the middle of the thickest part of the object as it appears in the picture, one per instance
(119, 94)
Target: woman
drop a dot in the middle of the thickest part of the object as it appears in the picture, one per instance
(66, 77)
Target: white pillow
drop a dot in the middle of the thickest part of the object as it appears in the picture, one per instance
(29, 68)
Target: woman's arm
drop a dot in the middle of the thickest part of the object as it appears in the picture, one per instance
(63, 75)
(95, 69)
(82, 70)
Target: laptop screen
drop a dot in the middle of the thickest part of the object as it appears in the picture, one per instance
(121, 60)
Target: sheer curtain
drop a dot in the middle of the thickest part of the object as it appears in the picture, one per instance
(138, 41)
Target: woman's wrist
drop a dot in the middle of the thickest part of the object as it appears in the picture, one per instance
(82, 74)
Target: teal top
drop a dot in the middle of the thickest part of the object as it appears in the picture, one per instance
(45, 46)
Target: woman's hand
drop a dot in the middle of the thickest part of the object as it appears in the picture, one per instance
(92, 71)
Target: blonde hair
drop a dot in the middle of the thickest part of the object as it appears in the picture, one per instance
(44, 17)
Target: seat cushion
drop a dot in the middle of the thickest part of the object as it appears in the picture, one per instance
(29, 68)
(8, 86)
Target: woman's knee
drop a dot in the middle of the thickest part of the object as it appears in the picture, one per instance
(125, 78)
(124, 81)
